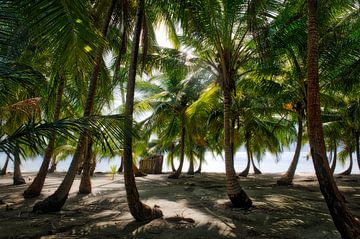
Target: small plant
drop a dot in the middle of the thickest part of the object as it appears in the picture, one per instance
(113, 170)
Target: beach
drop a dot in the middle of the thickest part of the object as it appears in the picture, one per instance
(193, 207)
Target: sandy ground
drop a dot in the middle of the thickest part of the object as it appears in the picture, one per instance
(193, 207)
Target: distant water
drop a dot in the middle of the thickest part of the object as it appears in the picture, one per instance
(268, 164)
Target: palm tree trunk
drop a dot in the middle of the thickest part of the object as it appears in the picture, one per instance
(199, 168)
(53, 165)
(333, 164)
(55, 202)
(35, 188)
(17, 178)
(172, 148)
(343, 219)
(93, 165)
(4, 168)
(236, 194)
(137, 171)
(177, 173)
(121, 167)
(191, 166)
(357, 147)
(85, 183)
(348, 171)
(138, 210)
(288, 177)
(245, 172)
(256, 170)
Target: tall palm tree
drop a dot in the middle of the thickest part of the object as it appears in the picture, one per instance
(343, 219)
(55, 201)
(138, 210)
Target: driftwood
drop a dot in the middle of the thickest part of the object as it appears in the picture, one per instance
(152, 165)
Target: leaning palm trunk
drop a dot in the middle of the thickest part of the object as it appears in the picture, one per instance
(199, 168)
(345, 222)
(191, 166)
(53, 165)
(4, 168)
(333, 164)
(348, 170)
(17, 178)
(35, 188)
(138, 210)
(236, 194)
(55, 202)
(288, 177)
(245, 172)
(256, 170)
(357, 147)
(182, 155)
(121, 167)
(85, 183)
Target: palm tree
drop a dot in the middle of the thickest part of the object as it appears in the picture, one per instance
(344, 221)
(55, 201)
(3, 170)
(138, 210)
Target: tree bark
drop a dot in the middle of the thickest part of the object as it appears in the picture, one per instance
(17, 178)
(256, 170)
(4, 168)
(53, 165)
(36, 186)
(348, 170)
(245, 172)
(191, 165)
(333, 164)
(177, 173)
(357, 147)
(236, 194)
(288, 177)
(121, 167)
(139, 210)
(345, 222)
(85, 183)
(200, 164)
(93, 165)
(55, 202)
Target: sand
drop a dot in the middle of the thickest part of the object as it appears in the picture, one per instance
(193, 207)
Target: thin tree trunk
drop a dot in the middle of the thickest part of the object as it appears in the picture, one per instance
(93, 165)
(17, 178)
(138, 210)
(172, 149)
(36, 186)
(53, 165)
(199, 168)
(256, 170)
(191, 166)
(245, 172)
(345, 222)
(348, 171)
(137, 171)
(177, 173)
(4, 168)
(288, 177)
(236, 194)
(121, 167)
(357, 147)
(55, 202)
(85, 183)
(333, 164)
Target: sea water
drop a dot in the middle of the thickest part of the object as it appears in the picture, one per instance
(214, 163)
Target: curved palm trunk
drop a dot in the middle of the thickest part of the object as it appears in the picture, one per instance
(35, 188)
(236, 194)
(177, 173)
(256, 170)
(333, 164)
(357, 147)
(93, 164)
(4, 168)
(53, 165)
(138, 210)
(55, 202)
(172, 148)
(199, 168)
(137, 171)
(85, 183)
(343, 219)
(17, 178)
(288, 177)
(191, 166)
(245, 172)
(348, 171)
(121, 167)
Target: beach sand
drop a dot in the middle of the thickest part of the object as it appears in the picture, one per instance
(193, 207)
